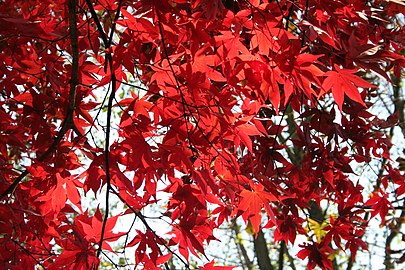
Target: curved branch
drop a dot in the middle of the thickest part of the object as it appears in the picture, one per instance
(108, 130)
(74, 81)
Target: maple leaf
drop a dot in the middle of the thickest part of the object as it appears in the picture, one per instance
(55, 198)
(230, 46)
(305, 73)
(211, 266)
(267, 40)
(354, 244)
(76, 259)
(252, 203)
(325, 36)
(92, 229)
(146, 241)
(317, 254)
(243, 132)
(344, 82)
(287, 228)
(380, 204)
(211, 7)
(16, 23)
(187, 242)
(319, 230)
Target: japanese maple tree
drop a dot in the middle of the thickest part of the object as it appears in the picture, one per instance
(210, 110)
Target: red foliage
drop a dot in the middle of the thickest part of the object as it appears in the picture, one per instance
(206, 80)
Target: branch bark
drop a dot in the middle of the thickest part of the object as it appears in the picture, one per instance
(68, 120)
(262, 252)
(247, 262)
(399, 105)
(281, 255)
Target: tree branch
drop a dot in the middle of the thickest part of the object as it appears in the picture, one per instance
(68, 120)
(281, 255)
(262, 252)
(28, 252)
(107, 161)
(145, 223)
(97, 22)
(399, 104)
(248, 263)
(108, 129)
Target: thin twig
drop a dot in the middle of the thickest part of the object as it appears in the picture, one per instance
(145, 223)
(97, 22)
(108, 130)
(28, 252)
(107, 161)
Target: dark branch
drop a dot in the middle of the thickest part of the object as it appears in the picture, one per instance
(74, 81)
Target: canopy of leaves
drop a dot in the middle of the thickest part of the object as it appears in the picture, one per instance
(199, 88)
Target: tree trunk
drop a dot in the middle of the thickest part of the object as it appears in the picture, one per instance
(262, 252)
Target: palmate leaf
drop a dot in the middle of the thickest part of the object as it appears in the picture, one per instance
(211, 266)
(252, 203)
(344, 82)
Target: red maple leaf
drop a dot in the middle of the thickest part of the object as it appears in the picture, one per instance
(252, 203)
(344, 82)
(380, 204)
(211, 266)
(317, 254)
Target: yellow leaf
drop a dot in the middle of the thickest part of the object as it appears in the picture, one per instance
(317, 229)
(249, 229)
(333, 255)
